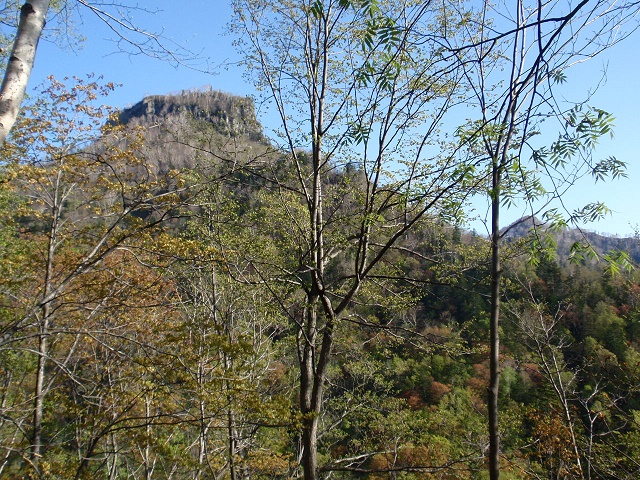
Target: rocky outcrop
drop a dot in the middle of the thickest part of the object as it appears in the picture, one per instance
(230, 115)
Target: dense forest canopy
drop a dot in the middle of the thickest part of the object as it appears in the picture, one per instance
(183, 297)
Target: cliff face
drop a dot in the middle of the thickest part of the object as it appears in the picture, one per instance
(197, 129)
(230, 115)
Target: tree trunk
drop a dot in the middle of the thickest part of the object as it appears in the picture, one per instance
(306, 354)
(310, 446)
(113, 468)
(494, 356)
(38, 402)
(148, 463)
(40, 391)
(314, 360)
(233, 444)
(32, 20)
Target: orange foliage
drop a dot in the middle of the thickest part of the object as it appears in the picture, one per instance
(553, 446)
(414, 399)
(438, 390)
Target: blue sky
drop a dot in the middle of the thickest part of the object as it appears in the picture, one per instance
(200, 26)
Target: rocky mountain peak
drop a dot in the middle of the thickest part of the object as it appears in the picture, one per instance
(230, 115)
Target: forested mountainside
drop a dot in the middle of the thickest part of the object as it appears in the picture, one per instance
(153, 281)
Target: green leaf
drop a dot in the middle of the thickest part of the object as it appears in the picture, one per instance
(317, 9)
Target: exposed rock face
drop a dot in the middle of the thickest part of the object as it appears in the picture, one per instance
(229, 114)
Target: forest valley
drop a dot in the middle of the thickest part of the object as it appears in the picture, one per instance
(162, 315)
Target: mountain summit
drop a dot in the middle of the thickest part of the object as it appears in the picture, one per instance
(231, 115)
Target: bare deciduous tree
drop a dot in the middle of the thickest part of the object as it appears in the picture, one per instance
(361, 95)
(534, 43)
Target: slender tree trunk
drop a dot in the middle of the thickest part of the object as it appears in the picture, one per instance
(32, 20)
(38, 402)
(5, 460)
(202, 438)
(149, 465)
(233, 444)
(113, 467)
(232, 431)
(566, 408)
(494, 356)
(40, 391)
(3, 406)
(202, 434)
(555, 372)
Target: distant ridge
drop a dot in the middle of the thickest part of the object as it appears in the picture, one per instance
(601, 243)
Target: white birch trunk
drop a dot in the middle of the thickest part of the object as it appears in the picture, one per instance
(32, 19)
